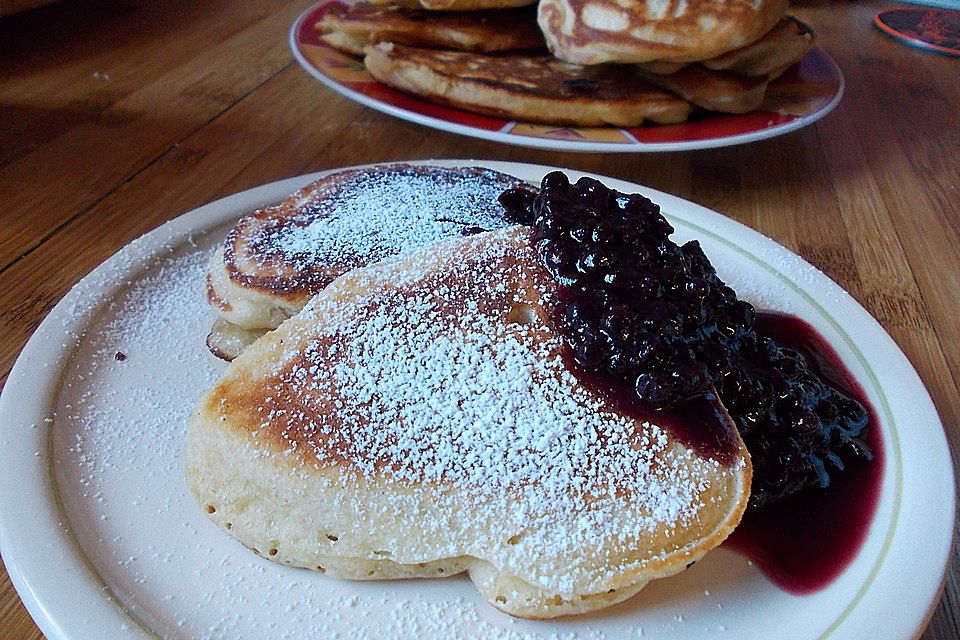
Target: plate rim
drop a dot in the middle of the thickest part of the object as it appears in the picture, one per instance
(22, 568)
(547, 143)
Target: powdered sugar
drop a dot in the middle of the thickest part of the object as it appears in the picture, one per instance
(475, 402)
(441, 382)
(372, 214)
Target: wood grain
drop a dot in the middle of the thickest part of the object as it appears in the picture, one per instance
(119, 116)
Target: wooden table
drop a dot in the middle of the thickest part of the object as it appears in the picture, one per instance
(118, 116)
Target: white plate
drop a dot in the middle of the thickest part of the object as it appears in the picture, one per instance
(798, 98)
(102, 540)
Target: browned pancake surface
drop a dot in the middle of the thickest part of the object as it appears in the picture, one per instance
(536, 88)
(356, 217)
(721, 91)
(302, 408)
(594, 31)
(364, 23)
(457, 5)
(781, 47)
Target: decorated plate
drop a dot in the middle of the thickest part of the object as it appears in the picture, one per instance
(803, 95)
(103, 540)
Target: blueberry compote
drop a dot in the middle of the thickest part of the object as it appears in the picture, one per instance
(652, 320)
(805, 541)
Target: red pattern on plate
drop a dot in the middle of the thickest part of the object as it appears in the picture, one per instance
(711, 127)
(400, 100)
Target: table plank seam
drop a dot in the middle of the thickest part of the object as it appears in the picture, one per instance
(106, 194)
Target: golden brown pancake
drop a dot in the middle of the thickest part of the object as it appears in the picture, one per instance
(418, 419)
(595, 31)
(457, 5)
(660, 67)
(722, 91)
(735, 82)
(351, 28)
(274, 260)
(534, 88)
(781, 47)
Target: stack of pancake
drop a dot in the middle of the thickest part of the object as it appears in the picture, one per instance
(417, 417)
(575, 62)
(274, 260)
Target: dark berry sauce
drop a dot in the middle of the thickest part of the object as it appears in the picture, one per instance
(700, 423)
(653, 318)
(652, 328)
(806, 540)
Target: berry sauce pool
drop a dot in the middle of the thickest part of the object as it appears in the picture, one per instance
(805, 541)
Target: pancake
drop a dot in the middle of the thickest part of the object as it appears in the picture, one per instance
(596, 31)
(721, 91)
(778, 49)
(782, 46)
(274, 260)
(351, 28)
(418, 419)
(735, 82)
(456, 5)
(533, 88)
(660, 67)
(226, 340)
